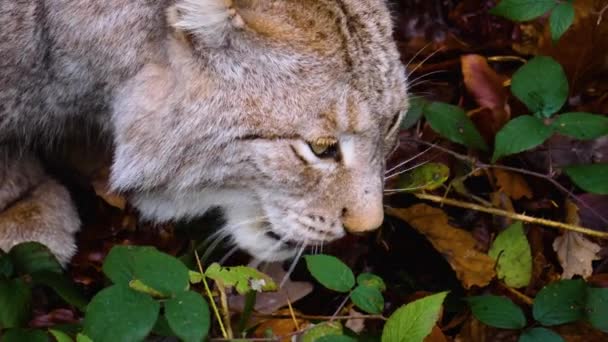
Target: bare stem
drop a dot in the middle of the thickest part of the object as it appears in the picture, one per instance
(210, 295)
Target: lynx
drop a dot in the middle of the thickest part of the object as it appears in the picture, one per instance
(279, 112)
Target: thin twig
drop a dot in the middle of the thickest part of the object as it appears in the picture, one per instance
(601, 15)
(477, 164)
(225, 308)
(211, 300)
(321, 318)
(514, 216)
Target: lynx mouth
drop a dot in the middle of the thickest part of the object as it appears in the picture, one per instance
(279, 238)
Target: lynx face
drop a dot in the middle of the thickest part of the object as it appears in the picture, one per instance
(279, 112)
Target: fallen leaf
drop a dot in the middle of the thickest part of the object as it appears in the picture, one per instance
(355, 324)
(436, 336)
(456, 245)
(280, 327)
(513, 184)
(574, 251)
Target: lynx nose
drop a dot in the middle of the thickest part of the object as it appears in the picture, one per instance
(359, 220)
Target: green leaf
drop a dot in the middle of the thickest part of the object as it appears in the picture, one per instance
(520, 134)
(541, 84)
(522, 10)
(451, 122)
(155, 269)
(244, 279)
(322, 329)
(414, 112)
(60, 336)
(195, 277)
(498, 312)
(15, 299)
(415, 321)
(597, 308)
(118, 314)
(368, 299)
(63, 286)
(23, 335)
(540, 335)
(336, 338)
(330, 272)
(371, 280)
(429, 176)
(592, 178)
(32, 257)
(561, 19)
(83, 338)
(560, 302)
(512, 252)
(584, 126)
(188, 316)
(6, 265)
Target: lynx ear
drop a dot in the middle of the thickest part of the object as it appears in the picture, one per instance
(209, 21)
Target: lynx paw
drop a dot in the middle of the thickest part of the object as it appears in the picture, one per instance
(41, 210)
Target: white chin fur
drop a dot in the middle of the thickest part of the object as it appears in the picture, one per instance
(244, 217)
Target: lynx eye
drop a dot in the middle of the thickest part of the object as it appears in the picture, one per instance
(325, 148)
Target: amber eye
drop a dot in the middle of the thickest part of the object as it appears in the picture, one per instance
(325, 148)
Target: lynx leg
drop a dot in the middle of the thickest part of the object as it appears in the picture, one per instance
(34, 207)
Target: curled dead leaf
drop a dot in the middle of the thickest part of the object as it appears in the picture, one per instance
(456, 245)
(574, 251)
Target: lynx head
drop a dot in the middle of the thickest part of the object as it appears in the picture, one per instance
(281, 112)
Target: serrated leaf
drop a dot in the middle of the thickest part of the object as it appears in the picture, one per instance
(120, 314)
(414, 112)
(584, 126)
(540, 335)
(498, 312)
(321, 330)
(63, 286)
(513, 256)
(15, 299)
(522, 10)
(592, 178)
(597, 308)
(414, 321)
(368, 299)
(561, 19)
(330, 272)
(371, 280)
(452, 122)
(541, 84)
(520, 134)
(244, 279)
(155, 269)
(560, 302)
(188, 316)
(24, 335)
(31, 257)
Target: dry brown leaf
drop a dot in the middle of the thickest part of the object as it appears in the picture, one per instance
(512, 184)
(100, 183)
(357, 325)
(574, 251)
(436, 336)
(488, 89)
(280, 327)
(456, 245)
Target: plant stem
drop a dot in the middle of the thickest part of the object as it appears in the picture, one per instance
(515, 216)
(211, 300)
(225, 308)
(250, 298)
